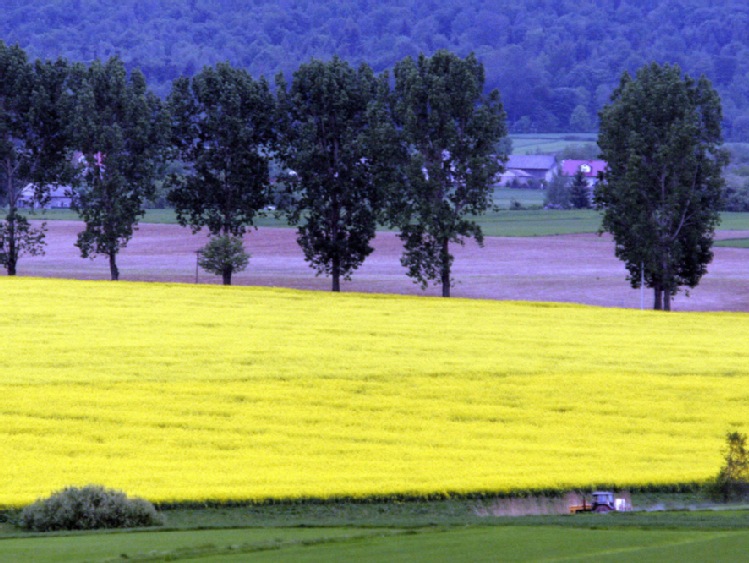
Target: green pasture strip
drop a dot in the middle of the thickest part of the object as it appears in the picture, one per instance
(539, 222)
(523, 544)
(50, 215)
(447, 513)
(549, 143)
(447, 530)
(501, 223)
(733, 221)
(475, 543)
(170, 545)
(153, 216)
(506, 197)
(733, 243)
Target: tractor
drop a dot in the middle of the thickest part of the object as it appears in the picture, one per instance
(603, 502)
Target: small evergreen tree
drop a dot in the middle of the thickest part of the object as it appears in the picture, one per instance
(580, 192)
(558, 193)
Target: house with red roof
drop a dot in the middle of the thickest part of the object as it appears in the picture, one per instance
(590, 168)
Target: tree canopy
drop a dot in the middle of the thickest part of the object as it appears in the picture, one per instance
(119, 131)
(335, 146)
(450, 131)
(34, 110)
(662, 189)
(224, 131)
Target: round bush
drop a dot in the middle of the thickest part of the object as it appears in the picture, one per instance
(87, 508)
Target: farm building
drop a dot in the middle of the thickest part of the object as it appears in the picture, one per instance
(524, 169)
(59, 198)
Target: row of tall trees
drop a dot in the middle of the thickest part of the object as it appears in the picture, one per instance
(93, 127)
(415, 151)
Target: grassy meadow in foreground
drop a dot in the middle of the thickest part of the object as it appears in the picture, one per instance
(475, 543)
(176, 392)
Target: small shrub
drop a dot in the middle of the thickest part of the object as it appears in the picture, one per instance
(223, 256)
(558, 194)
(732, 481)
(88, 508)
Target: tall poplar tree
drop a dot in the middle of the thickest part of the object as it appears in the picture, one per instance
(338, 141)
(450, 130)
(224, 129)
(119, 129)
(661, 138)
(34, 102)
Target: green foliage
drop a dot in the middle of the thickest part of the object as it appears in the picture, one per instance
(662, 189)
(120, 130)
(19, 238)
(224, 131)
(223, 256)
(580, 193)
(736, 198)
(733, 478)
(558, 193)
(339, 149)
(88, 508)
(33, 143)
(450, 130)
(578, 151)
(547, 58)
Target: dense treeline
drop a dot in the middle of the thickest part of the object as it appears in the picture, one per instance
(556, 62)
(350, 149)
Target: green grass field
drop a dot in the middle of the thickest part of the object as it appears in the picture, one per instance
(549, 143)
(437, 531)
(496, 223)
(507, 197)
(472, 544)
(734, 243)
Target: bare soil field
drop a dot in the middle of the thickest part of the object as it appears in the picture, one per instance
(567, 268)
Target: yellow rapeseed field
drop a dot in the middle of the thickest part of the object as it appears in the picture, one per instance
(176, 392)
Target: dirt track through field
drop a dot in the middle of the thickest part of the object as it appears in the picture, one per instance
(570, 268)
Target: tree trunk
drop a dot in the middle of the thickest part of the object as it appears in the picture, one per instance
(226, 275)
(12, 257)
(336, 273)
(658, 301)
(666, 287)
(445, 267)
(113, 267)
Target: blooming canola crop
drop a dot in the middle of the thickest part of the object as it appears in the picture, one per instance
(177, 392)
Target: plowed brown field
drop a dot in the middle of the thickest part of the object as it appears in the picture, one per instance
(574, 268)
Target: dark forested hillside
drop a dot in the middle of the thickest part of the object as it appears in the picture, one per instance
(555, 61)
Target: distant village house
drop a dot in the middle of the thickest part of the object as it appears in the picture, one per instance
(528, 170)
(590, 168)
(59, 198)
